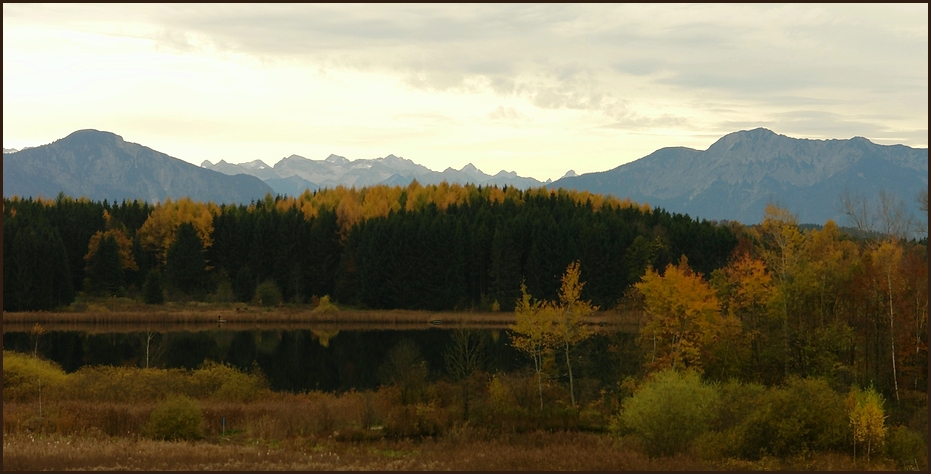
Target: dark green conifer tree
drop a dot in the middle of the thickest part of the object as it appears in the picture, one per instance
(104, 270)
(184, 262)
(244, 285)
(152, 292)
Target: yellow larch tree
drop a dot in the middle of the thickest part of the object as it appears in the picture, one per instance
(158, 231)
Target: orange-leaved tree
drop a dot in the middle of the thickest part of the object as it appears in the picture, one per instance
(684, 317)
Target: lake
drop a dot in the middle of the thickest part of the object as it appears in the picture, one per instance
(327, 357)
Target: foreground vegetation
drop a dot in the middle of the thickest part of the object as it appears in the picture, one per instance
(217, 417)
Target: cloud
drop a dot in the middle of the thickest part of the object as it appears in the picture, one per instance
(634, 66)
(505, 113)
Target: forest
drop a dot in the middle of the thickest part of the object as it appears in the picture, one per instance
(783, 314)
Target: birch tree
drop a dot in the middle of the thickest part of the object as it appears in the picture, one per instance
(569, 326)
(533, 330)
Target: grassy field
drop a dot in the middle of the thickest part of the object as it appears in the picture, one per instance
(464, 449)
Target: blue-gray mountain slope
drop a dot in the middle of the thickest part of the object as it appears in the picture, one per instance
(739, 174)
(101, 165)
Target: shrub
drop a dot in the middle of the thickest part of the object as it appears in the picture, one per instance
(268, 294)
(324, 306)
(227, 383)
(224, 293)
(734, 404)
(24, 376)
(669, 411)
(804, 416)
(907, 448)
(176, 418)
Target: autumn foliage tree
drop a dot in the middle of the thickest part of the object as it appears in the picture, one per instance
(684, 317)
(569, 326)
(159, 230)
(533, 332)
(867, 420)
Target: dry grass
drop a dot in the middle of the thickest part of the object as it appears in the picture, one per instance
(537, 451)
(317, 431)
(467, 450)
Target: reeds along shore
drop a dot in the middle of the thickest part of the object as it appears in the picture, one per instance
(245, 317)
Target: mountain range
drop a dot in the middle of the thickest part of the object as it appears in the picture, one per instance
(733, 179)
(294, 174)
(741, 172)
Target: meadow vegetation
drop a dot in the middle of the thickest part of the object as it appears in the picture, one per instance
(138, 418)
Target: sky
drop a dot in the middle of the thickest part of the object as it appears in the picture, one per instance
(536, 89)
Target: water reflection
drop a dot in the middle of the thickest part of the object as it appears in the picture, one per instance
(322, 357)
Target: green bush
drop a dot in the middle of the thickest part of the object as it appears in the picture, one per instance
(268, 294)
(224, 293)
(176, 418)
(805, 415)
(734, 404)
(907, 448)
(669, 411)
(24, 376)
(125, 384)
(131, 384)
(226, 383)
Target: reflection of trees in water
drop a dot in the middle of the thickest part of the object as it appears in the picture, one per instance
(295, 360)
(465, 358)
(324, 336)
(154, 349)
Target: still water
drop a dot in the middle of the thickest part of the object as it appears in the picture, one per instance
(297, 360)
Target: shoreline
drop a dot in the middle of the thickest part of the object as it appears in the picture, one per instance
(198, 318)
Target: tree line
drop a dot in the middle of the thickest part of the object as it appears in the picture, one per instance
(755, 303)
(441, 247)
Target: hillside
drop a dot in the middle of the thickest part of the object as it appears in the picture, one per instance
(740, 173)
(101, 165)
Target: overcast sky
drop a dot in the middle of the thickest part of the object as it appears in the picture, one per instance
(537, 89)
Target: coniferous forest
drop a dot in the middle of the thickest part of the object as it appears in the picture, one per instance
(436, 248)
(807, 310)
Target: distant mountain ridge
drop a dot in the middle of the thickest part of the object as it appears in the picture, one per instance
(740, 173)
(733, 179)
(295, 173)
(101, 165)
